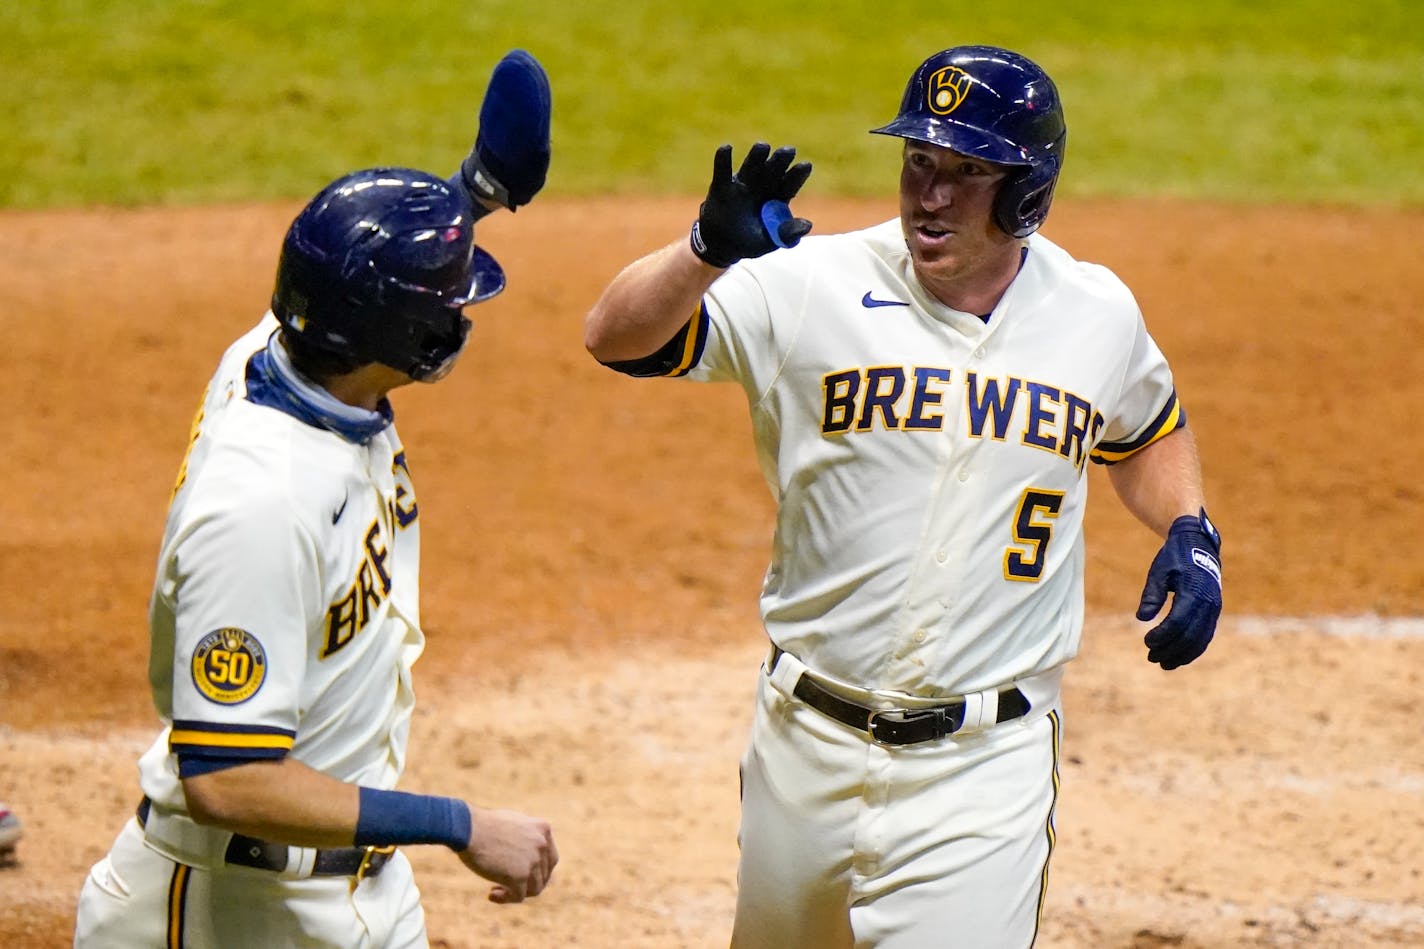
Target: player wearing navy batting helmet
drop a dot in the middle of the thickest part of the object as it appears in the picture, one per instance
(925, 395)
(285, 616)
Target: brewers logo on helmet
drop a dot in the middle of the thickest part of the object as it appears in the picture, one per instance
(947, 89)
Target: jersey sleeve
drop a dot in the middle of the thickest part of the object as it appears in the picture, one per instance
(752, 316)
(733, 335)
(237, 578)
(1147, 407)
(676, 357)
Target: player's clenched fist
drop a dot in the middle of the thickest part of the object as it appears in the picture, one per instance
(514, 851)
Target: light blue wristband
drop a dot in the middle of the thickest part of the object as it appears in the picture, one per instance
(395, 817)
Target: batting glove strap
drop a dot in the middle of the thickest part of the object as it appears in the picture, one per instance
(1189, 568)
(480, 183)
(747, 214)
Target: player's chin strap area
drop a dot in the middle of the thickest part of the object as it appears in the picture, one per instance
(899, 726)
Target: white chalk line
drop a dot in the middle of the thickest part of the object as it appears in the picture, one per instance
(1325, 910)
(1364, 626)
(1360, 626)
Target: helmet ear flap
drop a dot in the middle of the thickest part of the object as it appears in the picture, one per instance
(1023, 199)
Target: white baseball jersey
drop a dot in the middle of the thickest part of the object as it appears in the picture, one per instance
(928, 465)
(285, 614)
(284, 620)
(929, 472)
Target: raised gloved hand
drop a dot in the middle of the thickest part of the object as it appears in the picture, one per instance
(510, 159)
(1189, 567)
(746, 214)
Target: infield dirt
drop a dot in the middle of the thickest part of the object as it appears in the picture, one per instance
(594, 546)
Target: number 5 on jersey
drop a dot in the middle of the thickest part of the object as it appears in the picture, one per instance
(1033, 529)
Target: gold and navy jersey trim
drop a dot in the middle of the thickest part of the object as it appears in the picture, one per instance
(694, 341)
(1049, 830)
(216, 739)
(677, 356)
(1171, 418)
(177, 905)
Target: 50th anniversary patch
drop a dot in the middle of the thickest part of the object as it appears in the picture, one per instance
(229, 666)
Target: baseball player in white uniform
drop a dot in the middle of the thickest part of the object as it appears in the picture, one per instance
(285, 615)
(925, 395)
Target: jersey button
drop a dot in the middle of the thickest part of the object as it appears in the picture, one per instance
(921, 635)
(963, 474)
(941, 556)
(979, 353)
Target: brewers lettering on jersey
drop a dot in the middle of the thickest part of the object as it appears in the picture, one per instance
(285, 616)
(925, 395)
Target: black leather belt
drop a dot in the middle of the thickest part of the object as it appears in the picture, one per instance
(897, 726)
(244, 851)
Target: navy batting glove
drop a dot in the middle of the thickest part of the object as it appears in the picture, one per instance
(1189, 567)
(747, 214)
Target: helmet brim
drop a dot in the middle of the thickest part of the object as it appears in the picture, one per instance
(964, 139)
(486, 278)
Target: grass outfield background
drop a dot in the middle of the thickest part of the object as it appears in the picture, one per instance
(197, 101)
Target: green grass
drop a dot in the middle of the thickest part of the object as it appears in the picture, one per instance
(192, 101)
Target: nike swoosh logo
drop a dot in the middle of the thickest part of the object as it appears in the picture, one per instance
(336, 515)
(869, 302)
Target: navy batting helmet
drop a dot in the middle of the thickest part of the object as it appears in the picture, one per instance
(377, 268)
(993, 104)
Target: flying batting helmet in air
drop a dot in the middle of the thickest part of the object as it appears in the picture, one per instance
(378, 267)
(992, 104)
